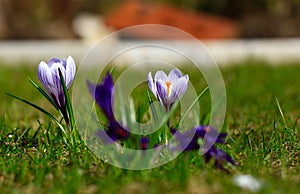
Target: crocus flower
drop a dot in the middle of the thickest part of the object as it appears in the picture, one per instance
(48, 75)
(103, 95)
(167, 89)
(220, 157)
(189, 140)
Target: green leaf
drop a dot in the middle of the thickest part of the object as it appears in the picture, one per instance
(191, 106)
(69, 108)
(281, 112)
(40, 109)
(151, 106)
(67, 97)
(45, 94)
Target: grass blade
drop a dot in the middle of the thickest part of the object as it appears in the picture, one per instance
(44, 94)
(68, 100)
(191, 106)
(36, 132)
(281, 112)
(40, 109)
(151, 106)
(69, 108)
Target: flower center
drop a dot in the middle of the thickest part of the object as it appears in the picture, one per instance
(207, 129)
(168, 84)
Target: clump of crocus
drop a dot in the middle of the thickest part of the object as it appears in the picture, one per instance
(57, 76)
(103, 95)
(189, 140)
(48, 74)
(168, 89)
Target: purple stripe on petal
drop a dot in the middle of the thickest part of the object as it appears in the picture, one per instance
(54, 60)
(45, 76)
(57, 88)
(54, 69)
(162, 93)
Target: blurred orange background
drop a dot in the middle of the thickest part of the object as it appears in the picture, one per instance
(204, 19)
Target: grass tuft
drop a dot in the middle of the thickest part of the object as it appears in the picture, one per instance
(263, 139)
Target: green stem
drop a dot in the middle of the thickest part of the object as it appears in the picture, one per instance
(70, 120)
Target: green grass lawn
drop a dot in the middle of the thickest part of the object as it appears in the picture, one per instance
(264, 143)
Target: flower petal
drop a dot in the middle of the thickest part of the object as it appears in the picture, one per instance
(210, 135)
(162, 93)
(187, 140)
(103, 136)
(160, 75)
(54, 60)
(223, 156)
(179, 88)
(209, 154)
(70, 71)
(174, 75)
(117, 131)
(57, 88)
(151, 84)
(45, 77)
(103, 94)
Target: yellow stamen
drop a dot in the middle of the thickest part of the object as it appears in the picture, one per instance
(168, 84)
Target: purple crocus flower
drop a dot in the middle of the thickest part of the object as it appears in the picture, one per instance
(48, 75)
(103, 95)
(168, 88)
(219, 156)
(188, 141)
